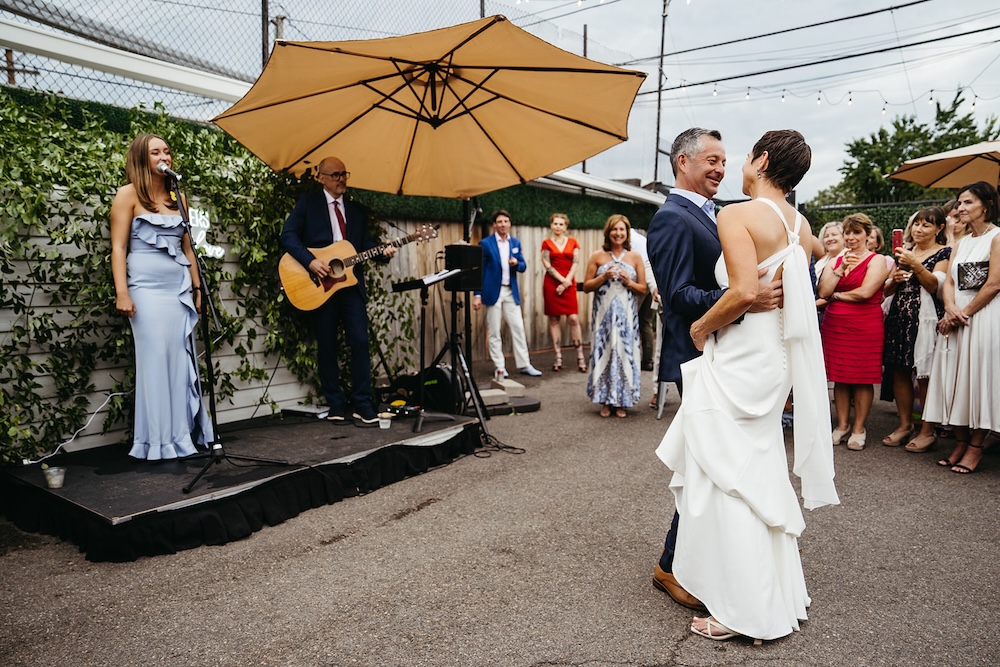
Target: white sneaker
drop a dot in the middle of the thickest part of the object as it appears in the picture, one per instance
(530, 370)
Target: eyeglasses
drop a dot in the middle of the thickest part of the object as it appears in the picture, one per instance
(337, 175)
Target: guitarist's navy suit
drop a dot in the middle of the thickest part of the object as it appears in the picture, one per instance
(309, 226)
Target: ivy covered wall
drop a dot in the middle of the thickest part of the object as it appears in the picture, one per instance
(64, 349)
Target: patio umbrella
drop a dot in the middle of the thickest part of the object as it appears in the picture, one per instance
(954, 168)
(454, 112)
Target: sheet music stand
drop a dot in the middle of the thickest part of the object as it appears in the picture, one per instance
(423, 284)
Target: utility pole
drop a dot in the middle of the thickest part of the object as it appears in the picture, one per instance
(659, 93)
(584, 164)
(265, 29)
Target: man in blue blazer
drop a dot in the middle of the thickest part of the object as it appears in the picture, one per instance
(319, 219)
(683, 246)
(503, 259)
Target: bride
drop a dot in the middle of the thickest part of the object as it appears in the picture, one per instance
(737, 548)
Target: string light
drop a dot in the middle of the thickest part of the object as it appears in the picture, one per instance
(818, 98)
(715, 90)
(782, 95)
(748, 93)
(974, 98)
(850, 99)
(883, 108)
(930, 100)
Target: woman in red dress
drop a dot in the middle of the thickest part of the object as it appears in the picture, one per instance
(853, 329)
(561, 256)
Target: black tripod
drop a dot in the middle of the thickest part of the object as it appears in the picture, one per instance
(216, 453)
(464, 382)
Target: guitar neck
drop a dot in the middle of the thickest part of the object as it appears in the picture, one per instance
(365, 255)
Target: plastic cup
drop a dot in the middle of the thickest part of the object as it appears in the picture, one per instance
(54, 477)
(384, 420)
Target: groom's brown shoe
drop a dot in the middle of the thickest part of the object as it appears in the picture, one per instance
(666, 582)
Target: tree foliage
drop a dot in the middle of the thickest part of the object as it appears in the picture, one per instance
(873, 158)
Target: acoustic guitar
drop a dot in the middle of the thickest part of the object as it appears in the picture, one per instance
(306, 291)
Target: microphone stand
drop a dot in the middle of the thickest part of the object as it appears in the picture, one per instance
(216, 453)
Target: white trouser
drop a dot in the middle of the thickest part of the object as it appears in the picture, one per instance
(511, 313)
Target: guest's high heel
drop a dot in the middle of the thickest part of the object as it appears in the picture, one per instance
(896, 438)
(558, 363)
(838, 435)
(960, 447)
(581, 361)
(920, 444)
(857, 441)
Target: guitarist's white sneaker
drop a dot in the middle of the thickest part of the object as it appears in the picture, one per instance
(367, 421)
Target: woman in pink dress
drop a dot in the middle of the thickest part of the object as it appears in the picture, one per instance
(853, 329)
(561, 257)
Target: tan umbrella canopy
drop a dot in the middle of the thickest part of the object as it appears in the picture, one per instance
(955, 168)
(454, 112)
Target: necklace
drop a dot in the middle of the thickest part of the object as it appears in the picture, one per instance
(985, 229)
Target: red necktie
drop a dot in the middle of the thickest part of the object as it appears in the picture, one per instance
(340, 219)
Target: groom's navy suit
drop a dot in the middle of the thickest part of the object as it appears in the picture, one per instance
(683, 246)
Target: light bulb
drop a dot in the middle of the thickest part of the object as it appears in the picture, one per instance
(930, 100)
(850, 100)
(818, 98)
(715, 91)
(974, 102)
(782, 96)
(748, 93)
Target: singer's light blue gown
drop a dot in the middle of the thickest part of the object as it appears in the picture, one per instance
(169, 413)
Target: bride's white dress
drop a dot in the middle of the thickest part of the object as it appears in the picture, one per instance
(737, 545)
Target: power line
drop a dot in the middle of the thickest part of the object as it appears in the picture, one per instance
(776, 32)
(826, 60)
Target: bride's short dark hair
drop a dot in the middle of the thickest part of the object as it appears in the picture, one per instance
(789, 157)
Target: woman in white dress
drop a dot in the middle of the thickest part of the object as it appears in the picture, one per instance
(737, 548)
(965, 374)
(832, 237)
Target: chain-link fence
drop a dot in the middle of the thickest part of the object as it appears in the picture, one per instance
(231, 38)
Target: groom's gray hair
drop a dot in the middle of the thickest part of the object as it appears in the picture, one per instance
(689, 143)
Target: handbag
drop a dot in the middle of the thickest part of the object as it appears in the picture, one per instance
(972, 275)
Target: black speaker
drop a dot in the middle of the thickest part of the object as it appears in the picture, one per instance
(469, 258)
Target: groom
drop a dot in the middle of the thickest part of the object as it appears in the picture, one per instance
(683, 246)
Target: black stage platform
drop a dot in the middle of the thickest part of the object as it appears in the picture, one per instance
(118, 509)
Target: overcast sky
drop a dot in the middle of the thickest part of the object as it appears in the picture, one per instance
(852, 92)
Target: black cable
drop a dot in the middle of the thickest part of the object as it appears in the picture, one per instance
(823, 62)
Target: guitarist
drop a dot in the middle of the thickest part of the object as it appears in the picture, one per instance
(319, 219)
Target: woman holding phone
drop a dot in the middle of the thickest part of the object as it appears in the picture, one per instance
(912, 319)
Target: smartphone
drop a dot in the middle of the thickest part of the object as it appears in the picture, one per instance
(897, 239)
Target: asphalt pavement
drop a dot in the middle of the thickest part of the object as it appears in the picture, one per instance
(540, 558)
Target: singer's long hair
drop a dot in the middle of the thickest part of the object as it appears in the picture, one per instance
(138, 173)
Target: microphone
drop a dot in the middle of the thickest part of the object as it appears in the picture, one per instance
(164, 169)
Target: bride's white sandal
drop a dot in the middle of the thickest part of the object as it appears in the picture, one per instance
(712, 625)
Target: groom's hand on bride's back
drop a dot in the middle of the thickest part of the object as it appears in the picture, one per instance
(769, 295)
